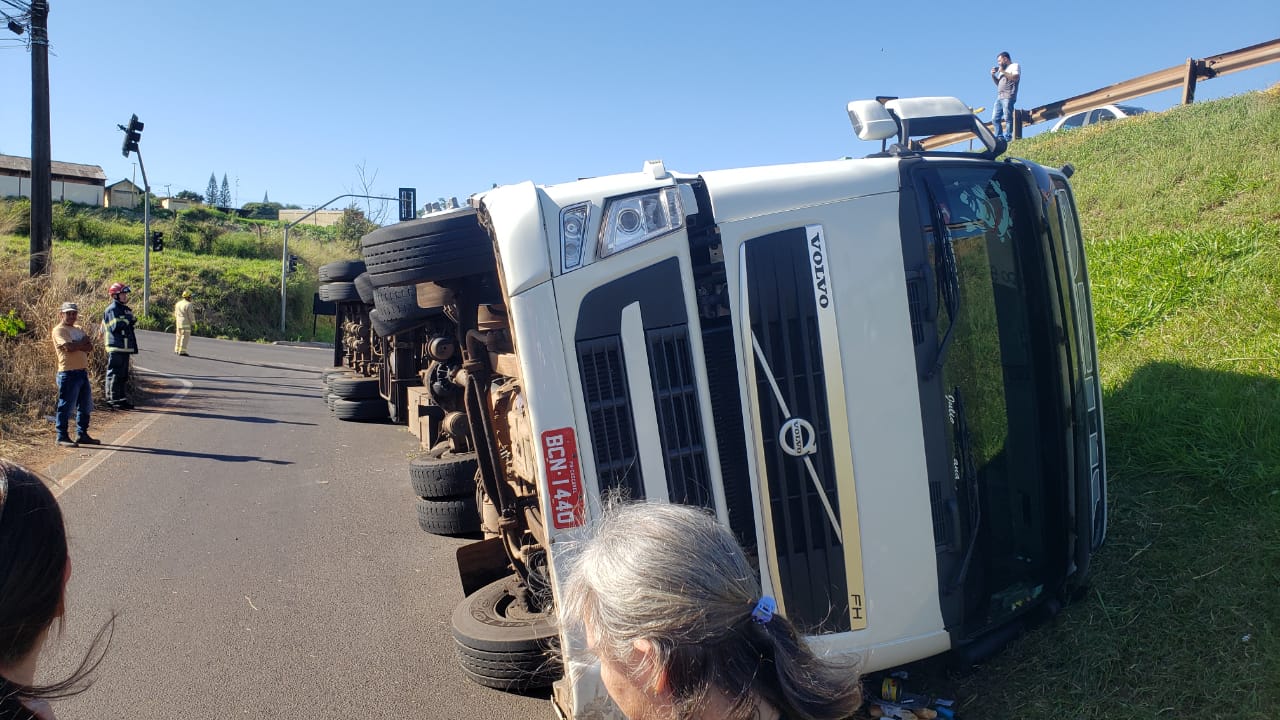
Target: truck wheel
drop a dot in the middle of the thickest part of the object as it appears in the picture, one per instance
(364, 288)
(339, 292)
(448, 246)
(400, 302)
(449, 476)
(340, 271)
(517, 671)
(369, 409)
(386, 328)
(493, 620)
(449, 516)
(354, 388)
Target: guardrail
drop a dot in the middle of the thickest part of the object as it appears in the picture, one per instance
(1185, 75)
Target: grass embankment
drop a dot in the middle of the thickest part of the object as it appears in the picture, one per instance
(231, 266)
(1182, 217)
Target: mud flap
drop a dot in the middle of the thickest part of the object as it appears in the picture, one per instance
(481, 563)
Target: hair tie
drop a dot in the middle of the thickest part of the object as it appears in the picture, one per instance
(764, 610)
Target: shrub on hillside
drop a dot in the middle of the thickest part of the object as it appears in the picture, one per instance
(15, 217)
(70, 223)
(244, 245)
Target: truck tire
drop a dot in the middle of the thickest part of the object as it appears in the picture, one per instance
(339, 292)
(386, 328)
(364, 288)
(449, 516)
(449, 476)
(517, 672)
(493, 620)
(370, 409)
(340, 271)
(444, 247)
(354, 388)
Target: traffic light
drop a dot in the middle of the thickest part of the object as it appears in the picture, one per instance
(293, 263)
(157, 240)
(132, 135)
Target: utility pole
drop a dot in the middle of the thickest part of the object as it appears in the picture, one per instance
(41, 154)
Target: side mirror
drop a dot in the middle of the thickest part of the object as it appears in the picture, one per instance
(871, 121)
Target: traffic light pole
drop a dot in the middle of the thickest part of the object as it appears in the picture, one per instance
(146, 236)
(284, 249)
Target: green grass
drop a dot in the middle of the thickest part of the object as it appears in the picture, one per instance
(1181, 212)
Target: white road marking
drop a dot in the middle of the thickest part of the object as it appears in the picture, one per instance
(98, 458)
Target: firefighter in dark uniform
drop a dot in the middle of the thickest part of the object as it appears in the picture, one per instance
(117, 326)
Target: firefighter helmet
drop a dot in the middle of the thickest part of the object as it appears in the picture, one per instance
(117, 288)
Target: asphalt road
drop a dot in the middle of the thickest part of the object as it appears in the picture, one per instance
(264, 557)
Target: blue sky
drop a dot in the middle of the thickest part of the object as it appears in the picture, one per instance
(290, 98)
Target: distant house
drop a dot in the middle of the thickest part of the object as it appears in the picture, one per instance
(176, 204)
(322, 218)
(123, 194)
(71, 181)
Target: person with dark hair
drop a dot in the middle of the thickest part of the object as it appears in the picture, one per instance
(1005, 74)
(122, 343)
(672, 610)
(34, 569)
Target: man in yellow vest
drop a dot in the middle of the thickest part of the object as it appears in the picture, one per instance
(184, 318)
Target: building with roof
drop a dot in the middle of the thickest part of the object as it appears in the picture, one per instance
(123, 194)
(85, 184)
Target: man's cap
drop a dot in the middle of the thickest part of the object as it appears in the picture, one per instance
(69, 307)
(186, 293)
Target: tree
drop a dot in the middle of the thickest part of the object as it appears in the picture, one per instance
(262, 210)
(189, 195)
(211, 192)
(225, 195)
(354, 225)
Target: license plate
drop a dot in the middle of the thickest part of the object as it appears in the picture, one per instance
(560, 453)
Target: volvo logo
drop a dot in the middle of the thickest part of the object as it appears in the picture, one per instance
(817, 263)
(798, 438)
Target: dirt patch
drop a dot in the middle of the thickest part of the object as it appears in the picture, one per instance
(32, 444)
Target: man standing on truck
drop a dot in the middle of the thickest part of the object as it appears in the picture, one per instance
(1005, 75)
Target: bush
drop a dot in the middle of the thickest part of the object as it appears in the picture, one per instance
(73, 223)
(244, 245)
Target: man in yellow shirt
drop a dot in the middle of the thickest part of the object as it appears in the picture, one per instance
(184, 318)
(73, 346)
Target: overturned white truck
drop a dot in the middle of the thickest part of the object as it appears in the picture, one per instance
(879, 372)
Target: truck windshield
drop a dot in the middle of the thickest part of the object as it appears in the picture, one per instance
(979, 222)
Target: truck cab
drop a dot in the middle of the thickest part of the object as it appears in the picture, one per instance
(880, 373)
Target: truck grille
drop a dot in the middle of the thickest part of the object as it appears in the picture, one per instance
(613, 437)
(675, 394)
(610, 401)
(784, 323)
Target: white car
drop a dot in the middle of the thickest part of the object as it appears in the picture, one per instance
(1097, 115)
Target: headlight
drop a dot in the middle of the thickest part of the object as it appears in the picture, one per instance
(573, 228)
(629, 221)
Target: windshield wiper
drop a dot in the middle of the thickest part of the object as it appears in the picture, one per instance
(966, 473)
(949, 276)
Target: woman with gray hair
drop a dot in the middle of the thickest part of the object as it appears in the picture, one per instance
(673, 610)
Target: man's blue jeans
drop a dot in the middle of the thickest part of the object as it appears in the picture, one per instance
(73, 391)
(1002, 118)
